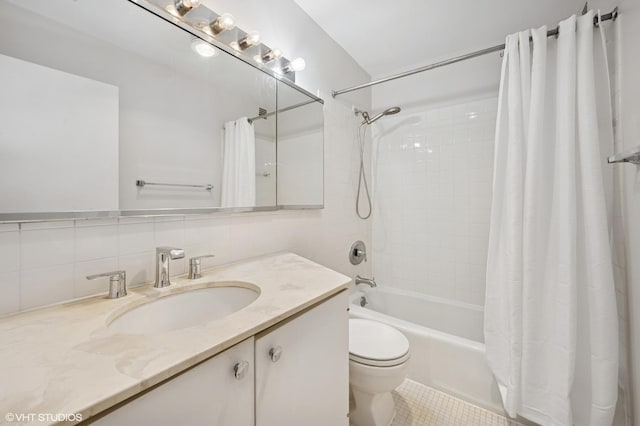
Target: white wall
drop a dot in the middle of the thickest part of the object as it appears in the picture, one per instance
(433, 167)
(45, 263)
(300, 169)
(433, 178)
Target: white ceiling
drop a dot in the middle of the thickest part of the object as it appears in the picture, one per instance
(386, 36)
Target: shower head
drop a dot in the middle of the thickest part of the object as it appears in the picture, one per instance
(388, 111)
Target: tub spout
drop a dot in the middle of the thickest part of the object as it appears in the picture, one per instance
(371, 282)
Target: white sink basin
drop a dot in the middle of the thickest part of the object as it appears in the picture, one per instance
(183, 310)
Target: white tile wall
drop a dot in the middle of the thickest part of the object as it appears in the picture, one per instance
(10, 300)
(433, 168)
(46, 263)
(96, 242)
(44, 286)
(9, 256)
(42, 247)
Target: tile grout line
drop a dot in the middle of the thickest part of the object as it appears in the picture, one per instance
(418, 405)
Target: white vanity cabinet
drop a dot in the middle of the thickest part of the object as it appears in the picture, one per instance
(296, 372)
(217, 392)
(302, 368)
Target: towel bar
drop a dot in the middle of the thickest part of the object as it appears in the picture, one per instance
(630, 156)
(142, 183)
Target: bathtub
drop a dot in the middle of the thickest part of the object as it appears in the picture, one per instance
(447, 349)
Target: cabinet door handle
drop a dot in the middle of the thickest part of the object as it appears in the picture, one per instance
(240, 370)
(275, 353)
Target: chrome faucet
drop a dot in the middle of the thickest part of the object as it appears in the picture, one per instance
(371, 282)
(163, 255)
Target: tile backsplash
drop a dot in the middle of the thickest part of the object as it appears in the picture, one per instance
(47, 262)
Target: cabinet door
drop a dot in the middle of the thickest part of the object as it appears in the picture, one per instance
(302, 369)
(207, 394)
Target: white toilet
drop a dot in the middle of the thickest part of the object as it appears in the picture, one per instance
(378, 356)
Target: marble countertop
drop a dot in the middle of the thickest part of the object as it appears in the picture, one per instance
(64, 359)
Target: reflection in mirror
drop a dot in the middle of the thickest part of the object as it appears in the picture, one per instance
(120, 109)
(300, 149)
(265, 172)
(58, 140)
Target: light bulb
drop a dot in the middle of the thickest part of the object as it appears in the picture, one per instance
(180, 8)
(271, 55)
(253, 38)
(297, 64)
(224, 22)
(250, 39)
(203, 48)
(227, 21)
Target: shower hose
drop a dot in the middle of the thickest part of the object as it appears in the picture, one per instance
(362, 177)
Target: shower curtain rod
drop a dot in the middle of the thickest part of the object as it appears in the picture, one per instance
(613, 15)
(285, 109)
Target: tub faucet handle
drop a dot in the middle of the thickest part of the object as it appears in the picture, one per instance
(357, 253)
(361, 253)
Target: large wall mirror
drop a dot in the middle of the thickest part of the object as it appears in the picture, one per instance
(108, 107)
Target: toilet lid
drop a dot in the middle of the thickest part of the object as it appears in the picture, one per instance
(375, 343)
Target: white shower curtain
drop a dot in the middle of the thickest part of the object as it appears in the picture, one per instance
(238, 164)
(550, 313)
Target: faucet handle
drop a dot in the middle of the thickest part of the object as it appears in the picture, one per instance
(361, 253)
(117, 282)
(173, 252)
(357, 253)
(195, 265)
(196, 259)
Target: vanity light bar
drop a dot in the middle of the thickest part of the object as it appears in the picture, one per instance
(201, 18)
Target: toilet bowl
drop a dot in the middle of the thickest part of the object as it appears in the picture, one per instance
(378, 356)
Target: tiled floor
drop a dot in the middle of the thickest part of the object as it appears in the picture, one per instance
(419, 405)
